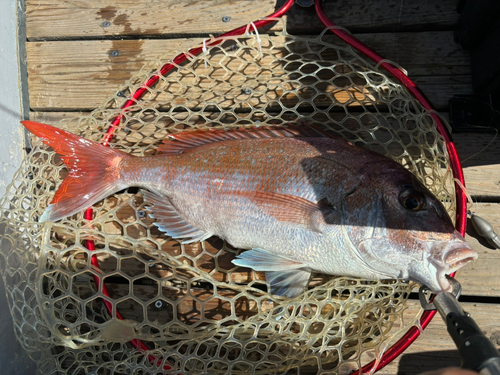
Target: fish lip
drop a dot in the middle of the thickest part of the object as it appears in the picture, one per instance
(457, 255)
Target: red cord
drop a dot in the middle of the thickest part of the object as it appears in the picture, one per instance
(138, 94)
(461, 217)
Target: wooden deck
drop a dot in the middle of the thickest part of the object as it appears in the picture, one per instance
(72, 70)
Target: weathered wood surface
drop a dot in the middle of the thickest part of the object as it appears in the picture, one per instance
(435, 349)
(378, 15)
(84, 19)
(480, 156)
(53, 118)
(483, 181)
(79, 74)
(421, 53)
(83, 74)
(481, 278)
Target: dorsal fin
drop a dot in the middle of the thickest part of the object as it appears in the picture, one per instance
(180, 142)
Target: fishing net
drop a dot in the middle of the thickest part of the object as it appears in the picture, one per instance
(138, 302)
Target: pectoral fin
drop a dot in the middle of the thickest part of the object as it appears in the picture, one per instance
(286, 277)
(169, 220)
(287, 208)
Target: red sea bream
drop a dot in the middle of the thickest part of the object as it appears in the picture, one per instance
(298, 201)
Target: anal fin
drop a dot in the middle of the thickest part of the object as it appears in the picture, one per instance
(286, 277)
(170, 222)
(289, 283)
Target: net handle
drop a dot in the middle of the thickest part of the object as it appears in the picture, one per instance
(461, 213)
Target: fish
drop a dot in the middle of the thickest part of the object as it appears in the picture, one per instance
(297, 201)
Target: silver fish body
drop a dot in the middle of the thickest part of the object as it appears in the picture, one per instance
(299, 203)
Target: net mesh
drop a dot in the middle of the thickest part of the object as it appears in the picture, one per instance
(193, 310)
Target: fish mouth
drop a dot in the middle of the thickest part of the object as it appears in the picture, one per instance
(454, 258)
(457, 258)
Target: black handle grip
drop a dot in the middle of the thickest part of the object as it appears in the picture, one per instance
(476, 350)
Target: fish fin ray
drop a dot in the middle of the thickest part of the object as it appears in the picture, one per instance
(94, 172)
(286, 277)
(199, 238)
(287, 208)
(262, 260)
(288, 283)
(169, 220)
(182, 142)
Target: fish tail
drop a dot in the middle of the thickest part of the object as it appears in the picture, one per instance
(94, 171)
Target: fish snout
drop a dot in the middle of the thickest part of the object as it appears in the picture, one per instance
(458, 256)
(448, 257)
(455, 257)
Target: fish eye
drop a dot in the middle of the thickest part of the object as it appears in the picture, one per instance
(412, 199)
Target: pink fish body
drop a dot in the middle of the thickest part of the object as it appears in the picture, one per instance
(299, 202)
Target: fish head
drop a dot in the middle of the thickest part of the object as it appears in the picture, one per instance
(401, 230)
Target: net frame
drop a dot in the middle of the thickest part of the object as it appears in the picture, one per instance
(410, 335)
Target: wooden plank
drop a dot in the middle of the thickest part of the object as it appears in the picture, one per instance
(435, 349)
(481, 278)
(378, 16)
(83, 74)
(78, 18)
(440, 89)
(483, 181)
(53, 118)
(82, 18)
(480, 155)
(421, 53)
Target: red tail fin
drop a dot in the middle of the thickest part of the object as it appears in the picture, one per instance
(94, 170)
